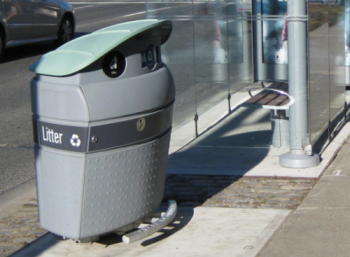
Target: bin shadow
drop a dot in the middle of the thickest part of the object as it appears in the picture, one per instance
(182, 218)
(45, 245)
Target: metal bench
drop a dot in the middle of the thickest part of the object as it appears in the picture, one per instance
(274, 98)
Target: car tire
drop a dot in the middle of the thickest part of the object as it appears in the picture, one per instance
(65, 32)
(2, 45)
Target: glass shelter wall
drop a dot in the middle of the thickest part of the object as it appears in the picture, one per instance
(209, 54)
(219, 47)
(326, 64)
(270, 40)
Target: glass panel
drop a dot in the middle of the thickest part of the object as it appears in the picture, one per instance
(336, 62)
(209, 52)
(347, 32)
(178, 55)
(347, 43)
(211, 63)
(274, 32)
(318, 68)
(157, 9)
(240, 45)
(327, 60)
(270, 40)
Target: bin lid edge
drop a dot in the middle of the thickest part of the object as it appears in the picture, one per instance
(69, 59)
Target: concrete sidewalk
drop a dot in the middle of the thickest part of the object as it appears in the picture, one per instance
(320, 226)
(235, 200)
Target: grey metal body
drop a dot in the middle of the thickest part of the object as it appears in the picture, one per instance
(298, 88)
(85, 195)
(102, 144)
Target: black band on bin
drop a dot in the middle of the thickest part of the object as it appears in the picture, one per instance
(107, 136)
(131, 131)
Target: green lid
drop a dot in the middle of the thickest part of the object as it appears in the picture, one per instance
(81, 52)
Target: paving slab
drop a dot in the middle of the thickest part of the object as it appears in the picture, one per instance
(320, 226)
(312, 232)
(197, 231)
(342, 166)
(329, 192)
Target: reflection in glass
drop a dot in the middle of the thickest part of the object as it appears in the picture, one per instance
(178, 55)
(337, 61)
(318, 69)
(275, 32)
(239, 37)
(270, 40)
(209, 52)
(218, 47)
(347, 32)
(211, 63)
(326, 65)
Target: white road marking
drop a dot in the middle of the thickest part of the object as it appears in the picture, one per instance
(76, 8)
(138, 13)
(128, 15)
(133, 14)
(95, 3)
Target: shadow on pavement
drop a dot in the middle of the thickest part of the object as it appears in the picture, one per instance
(181, 219)
(50, 245)
(219, 158)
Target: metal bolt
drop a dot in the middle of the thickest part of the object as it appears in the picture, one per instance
(94, 139)
(141, 124)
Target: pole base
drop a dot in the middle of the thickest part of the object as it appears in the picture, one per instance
(298, 161)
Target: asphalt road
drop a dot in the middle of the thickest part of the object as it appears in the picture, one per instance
(16, 140)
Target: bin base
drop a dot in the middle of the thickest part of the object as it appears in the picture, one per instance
(163, 219)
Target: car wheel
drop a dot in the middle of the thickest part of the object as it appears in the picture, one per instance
(65, 32)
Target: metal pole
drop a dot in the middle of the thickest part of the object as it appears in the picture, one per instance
(300, 155)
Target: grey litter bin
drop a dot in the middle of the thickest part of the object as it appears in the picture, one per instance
(102, 113)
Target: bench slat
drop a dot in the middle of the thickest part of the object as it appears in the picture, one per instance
(279, 101)
(270, 98)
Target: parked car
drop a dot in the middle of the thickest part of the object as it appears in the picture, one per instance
(30, 21)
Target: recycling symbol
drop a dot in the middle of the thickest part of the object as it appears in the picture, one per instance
(75, 140)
